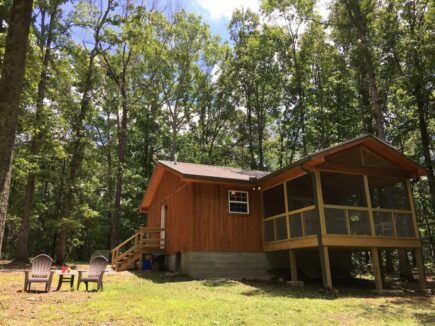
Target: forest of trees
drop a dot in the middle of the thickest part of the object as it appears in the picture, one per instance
(111, 84)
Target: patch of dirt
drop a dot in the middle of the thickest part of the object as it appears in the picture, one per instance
(17, 306)
(11, 265)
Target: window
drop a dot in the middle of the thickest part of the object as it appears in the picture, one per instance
(238, 202)
(300, 193)
(273, 201)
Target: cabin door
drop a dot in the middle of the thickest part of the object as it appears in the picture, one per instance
(163, 212)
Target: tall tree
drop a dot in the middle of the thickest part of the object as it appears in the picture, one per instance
(97, 21)
(294, 15)
(49, 12)
(10, 88)
(353, 18)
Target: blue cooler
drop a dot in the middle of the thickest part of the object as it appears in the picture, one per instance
(146, 265)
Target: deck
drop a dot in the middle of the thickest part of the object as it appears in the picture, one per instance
(145, 241)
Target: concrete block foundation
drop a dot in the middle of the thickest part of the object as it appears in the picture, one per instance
(231, 265)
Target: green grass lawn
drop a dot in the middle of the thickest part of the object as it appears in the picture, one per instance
(152, 298)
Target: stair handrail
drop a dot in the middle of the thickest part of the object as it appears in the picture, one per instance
(139, 236)
(115, 251)
(124, 243)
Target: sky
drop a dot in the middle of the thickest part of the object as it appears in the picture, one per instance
(217, 13)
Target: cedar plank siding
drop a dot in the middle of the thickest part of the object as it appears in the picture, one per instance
(177, 196)
(215, 229)
(179, 221)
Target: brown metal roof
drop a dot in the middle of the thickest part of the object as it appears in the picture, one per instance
(215, 172)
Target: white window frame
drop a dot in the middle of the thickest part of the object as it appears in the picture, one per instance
(238, 202)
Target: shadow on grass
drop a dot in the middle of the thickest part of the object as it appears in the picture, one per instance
(391, 307)
(218, 282)
(349, 288)
(162, 277)
(34, 291)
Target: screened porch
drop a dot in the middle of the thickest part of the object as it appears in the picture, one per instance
(342, 204)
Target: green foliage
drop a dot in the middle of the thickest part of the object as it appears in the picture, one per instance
(287, 85)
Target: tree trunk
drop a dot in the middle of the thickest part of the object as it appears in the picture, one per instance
(78, 129)
(23, 238)
(425, 144)
(174, 140)
(374, 95)
(360, 23)
(11, 81)
(75, 163)
(122, 144)
(404, 266)
(389, 266)
(45, 45)
(250, 131)
(4, 196)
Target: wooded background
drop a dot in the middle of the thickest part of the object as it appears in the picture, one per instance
(111, 84)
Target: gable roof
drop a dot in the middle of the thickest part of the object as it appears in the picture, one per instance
(224, 173)
(201, 172)
(369, 141)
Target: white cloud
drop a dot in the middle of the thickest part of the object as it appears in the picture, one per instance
(218, 9)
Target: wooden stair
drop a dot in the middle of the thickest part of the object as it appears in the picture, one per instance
(146, 241)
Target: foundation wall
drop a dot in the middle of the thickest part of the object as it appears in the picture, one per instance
(232, 265)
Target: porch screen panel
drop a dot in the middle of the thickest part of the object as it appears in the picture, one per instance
(383, 224)
(311, 222)
(296, 225)
(300, 192)
(359, 222)
(335, 221)
(343, 189)
(404, 225)
(281, 228)
(269, 231)
(388, 193)
(273, 201)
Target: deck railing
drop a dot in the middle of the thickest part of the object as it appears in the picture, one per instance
(145, 239)
(342, 220)
(382, 222)
(294, 224)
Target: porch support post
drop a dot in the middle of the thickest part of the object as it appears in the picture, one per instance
(323, 250)
(411, 204)
(420, 267)
(293, 266)
(376, 268)
(325, 266)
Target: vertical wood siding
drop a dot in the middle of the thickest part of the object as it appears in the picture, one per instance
(215, 229)
(177, 196)
(198, 219)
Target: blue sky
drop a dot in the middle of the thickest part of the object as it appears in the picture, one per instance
(217, 13)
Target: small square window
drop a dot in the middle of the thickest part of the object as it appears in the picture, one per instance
(238, 202)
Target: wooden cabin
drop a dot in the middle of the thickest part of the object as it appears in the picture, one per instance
(307, 217)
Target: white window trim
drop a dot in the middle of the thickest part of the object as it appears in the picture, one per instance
(237, 201)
